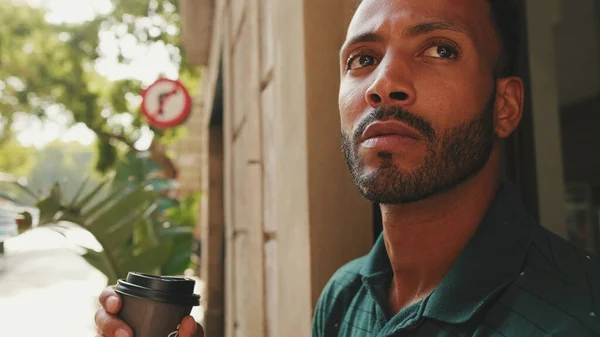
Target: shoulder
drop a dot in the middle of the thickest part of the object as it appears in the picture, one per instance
(564, 263)
(337, 296)
(343, 285)
(559, 288)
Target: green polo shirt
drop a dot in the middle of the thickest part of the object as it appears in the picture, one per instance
(514, 278)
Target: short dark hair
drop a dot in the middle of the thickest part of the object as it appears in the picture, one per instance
(506, 16)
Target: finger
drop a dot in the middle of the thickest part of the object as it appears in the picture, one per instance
(111, 326)
(189, 328)
(199, 330)
(110, 300)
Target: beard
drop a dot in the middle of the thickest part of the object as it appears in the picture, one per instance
(458, 154)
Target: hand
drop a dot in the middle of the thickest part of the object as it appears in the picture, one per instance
(110, 325)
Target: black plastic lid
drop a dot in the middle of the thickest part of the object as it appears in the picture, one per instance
(166, 289)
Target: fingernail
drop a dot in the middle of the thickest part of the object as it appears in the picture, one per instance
(111, 304)
(121, 333)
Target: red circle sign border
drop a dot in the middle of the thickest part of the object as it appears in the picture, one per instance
(175, 122)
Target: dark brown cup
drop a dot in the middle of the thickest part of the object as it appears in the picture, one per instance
(153, 306)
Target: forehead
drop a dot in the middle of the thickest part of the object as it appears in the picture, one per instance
(392, 16)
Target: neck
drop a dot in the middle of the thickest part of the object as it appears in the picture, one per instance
(424, 238)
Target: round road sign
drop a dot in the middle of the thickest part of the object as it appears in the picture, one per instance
(166, 103)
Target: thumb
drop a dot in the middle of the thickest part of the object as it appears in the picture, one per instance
(189, 328)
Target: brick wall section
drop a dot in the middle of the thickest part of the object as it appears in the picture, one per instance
(189, 153)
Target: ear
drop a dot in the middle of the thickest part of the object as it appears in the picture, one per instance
(508, 108)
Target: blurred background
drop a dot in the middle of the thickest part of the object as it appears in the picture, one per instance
(198, 138)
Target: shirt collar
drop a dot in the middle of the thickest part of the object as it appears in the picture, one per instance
(491, 260)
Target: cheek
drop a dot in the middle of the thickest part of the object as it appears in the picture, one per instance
(351, 104)
(450, 97)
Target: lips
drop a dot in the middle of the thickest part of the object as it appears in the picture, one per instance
(389, 128)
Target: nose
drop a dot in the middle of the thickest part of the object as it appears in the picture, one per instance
(392, 86)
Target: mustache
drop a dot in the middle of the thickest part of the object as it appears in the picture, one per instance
(381, 114)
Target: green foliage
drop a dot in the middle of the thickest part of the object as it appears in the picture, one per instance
(136, 167)
(111, 220)
(107, 156)
(15, 158)
(45, 66)
(127, 221)
(182, 219)
(62, 162)
(57, 161)
(48, 70)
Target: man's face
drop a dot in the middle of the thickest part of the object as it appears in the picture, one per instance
(417, 96)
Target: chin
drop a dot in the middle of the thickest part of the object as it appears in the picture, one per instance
(383, 185)
(388, 183)
(387, 164)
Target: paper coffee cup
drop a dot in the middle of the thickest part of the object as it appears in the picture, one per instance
(153, 306)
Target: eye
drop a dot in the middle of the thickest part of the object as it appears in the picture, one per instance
(442, 51)
(361, 61)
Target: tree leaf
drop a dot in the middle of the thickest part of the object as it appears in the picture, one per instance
(79, 191)
(131, 202)
(91, 211)
(92, 194)
(149, 260)
(50, 206)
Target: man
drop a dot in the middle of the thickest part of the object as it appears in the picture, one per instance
(427, 95)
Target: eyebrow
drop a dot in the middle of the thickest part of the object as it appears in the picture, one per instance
(428, 27)
(412, 31)
(362, 38)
